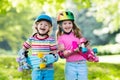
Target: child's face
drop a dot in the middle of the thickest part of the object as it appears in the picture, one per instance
(43, 27)
(67, 26)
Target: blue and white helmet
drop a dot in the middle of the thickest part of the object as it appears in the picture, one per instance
(44, 17)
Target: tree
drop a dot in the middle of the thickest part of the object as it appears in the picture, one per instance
(108, 12)
(17, 16)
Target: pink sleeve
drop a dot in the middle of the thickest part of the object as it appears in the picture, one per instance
(60, 52)
(83, 40)
(60, 41)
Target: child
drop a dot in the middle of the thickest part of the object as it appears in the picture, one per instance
(41, 60)
(69, 39)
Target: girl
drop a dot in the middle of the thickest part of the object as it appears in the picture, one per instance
(41, 45)
(69, 36)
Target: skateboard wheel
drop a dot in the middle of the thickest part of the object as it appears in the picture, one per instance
(42, 65)
(40, 55)
(84, 50)
(95, 50)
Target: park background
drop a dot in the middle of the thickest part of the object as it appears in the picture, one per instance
(99, 21)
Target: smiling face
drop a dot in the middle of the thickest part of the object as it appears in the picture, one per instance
(67, 26)
(43, 27)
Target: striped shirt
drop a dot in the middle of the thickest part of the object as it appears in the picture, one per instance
(40, 45)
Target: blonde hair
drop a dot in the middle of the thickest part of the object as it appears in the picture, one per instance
(76, 31)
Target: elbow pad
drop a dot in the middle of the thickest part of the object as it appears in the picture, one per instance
(61, 54)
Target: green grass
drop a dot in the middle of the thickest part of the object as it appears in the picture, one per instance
(97, 71)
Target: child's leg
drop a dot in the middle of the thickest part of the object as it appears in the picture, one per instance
(70, 71)
(48, 74)
(82, 71)
(36, 75)
(76, 70)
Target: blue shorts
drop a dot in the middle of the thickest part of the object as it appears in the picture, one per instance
(47, 74)
(76, 70)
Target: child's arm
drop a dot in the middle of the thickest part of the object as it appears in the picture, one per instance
(64, 53)
(86, 50)
(23, 50)
(53, 56)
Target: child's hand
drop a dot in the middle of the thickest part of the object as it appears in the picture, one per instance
(61, 47)
(54, 52)
(67, 53)
(76, 49)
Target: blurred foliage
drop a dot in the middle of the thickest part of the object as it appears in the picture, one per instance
(97, 71)
(90, 29)
(108, 49)
(16, 19)
(108, 13)
(100, 18)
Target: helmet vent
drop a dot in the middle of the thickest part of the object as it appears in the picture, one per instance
(66, 13)
(71, 14)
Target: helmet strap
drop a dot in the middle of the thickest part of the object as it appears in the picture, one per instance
(67, 32)
(40, 33)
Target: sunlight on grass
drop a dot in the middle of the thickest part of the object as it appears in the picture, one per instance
(97, 71)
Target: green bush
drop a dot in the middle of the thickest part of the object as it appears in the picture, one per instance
(111, 49)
